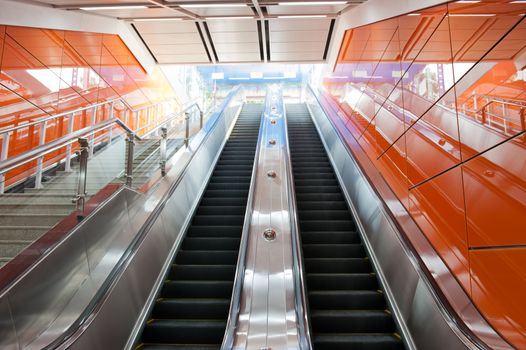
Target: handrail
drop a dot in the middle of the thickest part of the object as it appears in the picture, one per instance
(455, 321)
(233, 312)
(302, 306)
(108, 283)
(505, 103)
(81, 109)
(16, 161)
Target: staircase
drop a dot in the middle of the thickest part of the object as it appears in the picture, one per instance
(25, 216)
(347, 306)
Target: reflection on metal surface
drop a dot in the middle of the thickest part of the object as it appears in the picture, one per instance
(119, 247)
(430, 306)
(267, 307)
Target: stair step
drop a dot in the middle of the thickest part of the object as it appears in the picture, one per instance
(184, 331)
(357, 342)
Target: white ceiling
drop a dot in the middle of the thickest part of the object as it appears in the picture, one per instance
(197, 38)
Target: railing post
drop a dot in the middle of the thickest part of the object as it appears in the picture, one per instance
(40, 160)
(130, 144)
(474, 102)
(484, 117)
(92, 138)
(83, 155)
(110, 132)
(522, 115)
(71, 121)
(162, 148)
(187, 128)
(201, 115)
(3, 156)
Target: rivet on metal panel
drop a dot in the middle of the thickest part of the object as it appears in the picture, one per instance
(269, 234)
(272, 121)
(489, 173)
(271, 173)
(272, 142)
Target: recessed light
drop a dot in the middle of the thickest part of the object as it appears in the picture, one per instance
(239, 17)
(518, 2)
(413, 14)
(468, 1)
(213, 5)
(303, 16)
(472, 15)
(306, 3)
(98, 8)
(156, 19)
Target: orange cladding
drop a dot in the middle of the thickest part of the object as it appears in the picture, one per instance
(437, 100)
(45, 72)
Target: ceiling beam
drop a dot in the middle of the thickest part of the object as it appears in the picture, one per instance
(261, 15)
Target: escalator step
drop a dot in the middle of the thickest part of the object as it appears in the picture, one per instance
(357, 342)
(184, 331)
(225, 209)
(215, 231)
(188, 308)
(205, 257)
(203, 272)
(224, 220)
(208, 243)
(347, 309)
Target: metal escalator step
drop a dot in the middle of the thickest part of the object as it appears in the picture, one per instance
(215, 231)
(224, 209)
(203, 272)
(342, 281)
(184, 331)
(357, 342)
(347, 300)
(197, 289)
(191, 308)
(324, 214)
(205, 257)
(211, 243)
(225, 194)
(328, 237)
(219, 220)
(178, 347)
(337, 265)
(331, 225)
(333, 251)
(352, 321)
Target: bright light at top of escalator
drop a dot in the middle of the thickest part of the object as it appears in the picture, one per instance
(46, 78)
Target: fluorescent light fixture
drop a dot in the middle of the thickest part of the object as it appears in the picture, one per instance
(156, 19)
(272, 78)
(306, 3)
(256, 75)
(472, 15)
(239, 78)
(289, 75)
(239, 17)
(218, 76)
(98, 8)
(413, 14)
(303, 16)
(214, 5)
(468, 1)
(518, 2)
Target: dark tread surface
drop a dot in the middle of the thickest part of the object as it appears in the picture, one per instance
(347, 309)
(191, 309)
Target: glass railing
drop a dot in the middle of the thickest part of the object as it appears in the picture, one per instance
(50, 188)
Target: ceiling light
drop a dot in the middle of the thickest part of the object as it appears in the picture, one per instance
(218, 76)
(238, 78)
(472, 15)
(413, 14)
(256, 75)
(306, 3)
(239, 17)
(156, 19)
(303, 16)
(518, 2)
(97, 8)
(468, 1)
(213, 5)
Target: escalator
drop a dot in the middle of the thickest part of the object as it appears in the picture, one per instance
(347, 307)
(192, 307)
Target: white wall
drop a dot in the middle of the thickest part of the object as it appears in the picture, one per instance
(370, 12)
(18, 13)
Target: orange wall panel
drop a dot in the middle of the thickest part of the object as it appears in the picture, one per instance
(443, 118)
